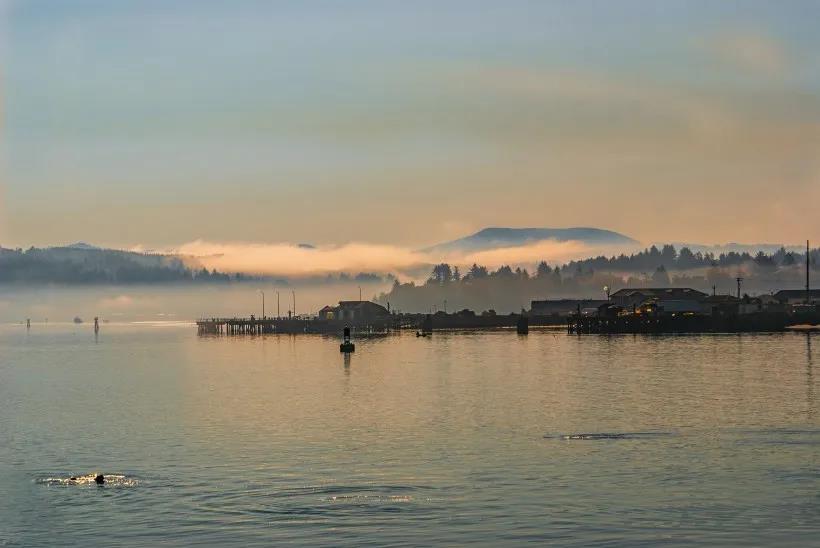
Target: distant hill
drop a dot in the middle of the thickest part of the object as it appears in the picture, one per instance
(491, 238)
(83, 264)
(81, 245)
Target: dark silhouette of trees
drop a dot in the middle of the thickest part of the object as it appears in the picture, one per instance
(442, 274)
(477, 272)
(509, 289)
(661, 277)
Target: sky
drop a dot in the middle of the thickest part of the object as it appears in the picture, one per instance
(170, 124)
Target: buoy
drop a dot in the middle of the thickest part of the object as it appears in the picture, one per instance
(426, 327)
(347, 346)
(523, 324)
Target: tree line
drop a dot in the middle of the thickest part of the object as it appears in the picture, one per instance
(509, 289)
(69, 266)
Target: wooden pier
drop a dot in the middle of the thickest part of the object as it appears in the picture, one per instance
(421, 322)
(686, 323)
(262, 326)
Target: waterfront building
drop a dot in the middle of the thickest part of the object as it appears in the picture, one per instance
(564, 307)
(797, 296)
(680, 299)
(354, 311)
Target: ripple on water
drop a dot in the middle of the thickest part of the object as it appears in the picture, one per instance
(319, 501)
(611, 436)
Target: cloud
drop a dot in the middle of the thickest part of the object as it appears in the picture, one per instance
(287, 259)
(579, 108)
(552, 251)
(750, 50)
(120, 301)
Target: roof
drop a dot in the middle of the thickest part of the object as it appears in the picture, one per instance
(796, 293)
(362, 304)
(562, 306)
(676, 293)
(566, 301)
(718, 299)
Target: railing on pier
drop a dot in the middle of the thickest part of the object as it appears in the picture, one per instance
(685, 323)
(260, 326)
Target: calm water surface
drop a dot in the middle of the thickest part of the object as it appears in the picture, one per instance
(483, 438)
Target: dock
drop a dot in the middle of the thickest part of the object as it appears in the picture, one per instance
(262, 326)
(385, 324)
(686, 323)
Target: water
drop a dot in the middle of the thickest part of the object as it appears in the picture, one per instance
(486, 438)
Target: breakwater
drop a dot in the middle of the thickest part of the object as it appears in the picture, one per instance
(642, 323)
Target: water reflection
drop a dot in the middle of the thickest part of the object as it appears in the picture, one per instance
(347, 356)
(252, 441)
(809, 378)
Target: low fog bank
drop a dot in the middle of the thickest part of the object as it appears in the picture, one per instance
(171, 303)
(290, 261)
(208, 279)
(507, 289)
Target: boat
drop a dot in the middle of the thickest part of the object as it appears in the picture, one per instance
(426, 327)
(522, 326)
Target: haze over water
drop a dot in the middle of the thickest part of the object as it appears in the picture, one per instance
(454, 439)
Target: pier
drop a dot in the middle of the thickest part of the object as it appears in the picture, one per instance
(385, 324)
(262, 326)
(687, 323)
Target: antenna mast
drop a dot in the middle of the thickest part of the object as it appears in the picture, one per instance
(808, 262)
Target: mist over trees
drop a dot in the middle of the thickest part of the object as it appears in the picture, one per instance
(88, 266)
(449, 287)
(510, 289)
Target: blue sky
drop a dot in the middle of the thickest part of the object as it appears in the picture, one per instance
(159, 123)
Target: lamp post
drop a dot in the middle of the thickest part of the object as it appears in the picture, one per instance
(277, 306)
(294, 301)
(263, 303)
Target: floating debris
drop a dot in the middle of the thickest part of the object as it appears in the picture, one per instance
(610, 436)
(113, 480)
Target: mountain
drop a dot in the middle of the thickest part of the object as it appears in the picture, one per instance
(495, 237)
(86, 264)
(81, 245)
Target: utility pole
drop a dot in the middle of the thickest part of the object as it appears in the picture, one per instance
(739, 282)
(263, 303)
(277, 306)
(294, 301)
(808, 262)
(445, 306)
(360, 293)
